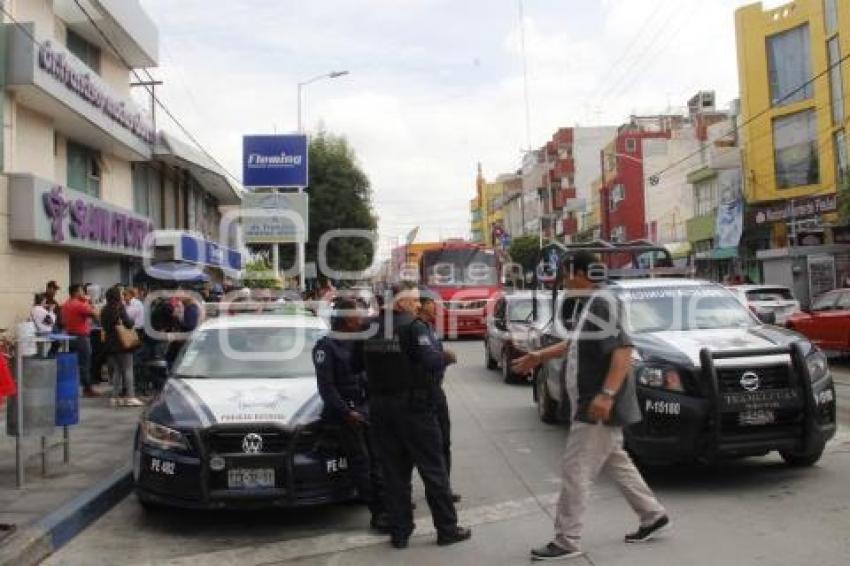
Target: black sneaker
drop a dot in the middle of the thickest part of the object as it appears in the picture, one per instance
(460, 534)
(399, 542)
(554, 552)
(644, 534)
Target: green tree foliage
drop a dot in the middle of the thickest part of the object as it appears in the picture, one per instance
(525, 251)
(257, 275)
(340, 198)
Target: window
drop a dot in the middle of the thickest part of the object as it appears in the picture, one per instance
(83, 169)
(839, 145)
(141, 198)
(789, 66)
(84, 51)
(565, 151)
(795, 150)
(706, 197)
(631, 145)
(836, 87)
(830, 16)
(618, 234)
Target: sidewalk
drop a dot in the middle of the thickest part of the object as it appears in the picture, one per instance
(51, 509)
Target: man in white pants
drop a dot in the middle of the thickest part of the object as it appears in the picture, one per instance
(603, 399)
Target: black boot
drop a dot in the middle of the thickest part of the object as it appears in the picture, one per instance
(460, 534)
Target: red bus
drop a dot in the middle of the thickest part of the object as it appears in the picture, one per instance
(467, 279)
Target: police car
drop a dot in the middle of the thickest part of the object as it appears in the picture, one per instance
(712, 381)
(238, 422)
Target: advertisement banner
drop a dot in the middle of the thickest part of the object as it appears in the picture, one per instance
(794, 209)
(274, 161)
(275, 217)
(730, 224)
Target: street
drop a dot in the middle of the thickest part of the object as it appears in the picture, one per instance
(506, 467)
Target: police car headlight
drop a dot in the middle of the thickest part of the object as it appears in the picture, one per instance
(818, 366)
(163, 437)
(660, 378)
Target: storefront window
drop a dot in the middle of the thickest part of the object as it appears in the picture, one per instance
(836, 87)
(83, 169)
(796, 150)
(789, 66)
(830, 16)
(840, 147)
(141, 199)
(84, 51)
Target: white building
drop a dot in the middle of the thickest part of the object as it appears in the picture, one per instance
(85, 176)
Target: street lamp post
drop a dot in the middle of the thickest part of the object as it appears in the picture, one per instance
(302, 276)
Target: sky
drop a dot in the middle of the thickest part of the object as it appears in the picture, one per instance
(435, 86)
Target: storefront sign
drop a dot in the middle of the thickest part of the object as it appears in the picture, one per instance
(821, 274)
(77, 78)
(795, 209)
(274, 161)
(206, 252)
(48, 213)
(274, 217)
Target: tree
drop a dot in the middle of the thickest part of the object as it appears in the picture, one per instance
(256, 275)
(525, 250)
(340, 198)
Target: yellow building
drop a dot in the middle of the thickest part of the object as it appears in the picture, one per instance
(486, 209)
(793, 113)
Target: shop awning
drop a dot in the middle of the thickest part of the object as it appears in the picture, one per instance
(207, 172)
(717, 254)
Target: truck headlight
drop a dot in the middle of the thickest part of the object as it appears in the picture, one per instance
(163, 437)
(660, 378)
(818, 365)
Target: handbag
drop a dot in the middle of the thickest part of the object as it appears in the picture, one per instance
(128, 338)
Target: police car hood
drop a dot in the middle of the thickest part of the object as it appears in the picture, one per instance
(684, 346)
(206, 402)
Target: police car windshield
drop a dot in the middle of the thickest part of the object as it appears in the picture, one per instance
(264, 352)
(677, 309)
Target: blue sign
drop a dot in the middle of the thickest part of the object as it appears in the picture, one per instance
(274, 161)
(206, 252)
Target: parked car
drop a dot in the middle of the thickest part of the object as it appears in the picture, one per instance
(827, 321)
(770, 303)
(512, 327)
(238, 423)
(712, 381)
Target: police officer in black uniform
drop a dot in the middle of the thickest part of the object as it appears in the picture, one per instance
(428, 315)
(401, 362)
(342, 386)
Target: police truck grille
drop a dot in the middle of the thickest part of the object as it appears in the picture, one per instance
(769, 377)
(230, 441)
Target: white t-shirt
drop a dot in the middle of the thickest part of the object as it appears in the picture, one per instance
(136, 310)
(42, 318)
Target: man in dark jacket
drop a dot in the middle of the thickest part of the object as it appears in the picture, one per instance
(400, 362)
(342, 386)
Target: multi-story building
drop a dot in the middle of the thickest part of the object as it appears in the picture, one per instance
(513, 211)
(793, 115)
(75, 205)
(485, 209)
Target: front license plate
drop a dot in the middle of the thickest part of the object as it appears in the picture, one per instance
(250, 478)
(756, 418)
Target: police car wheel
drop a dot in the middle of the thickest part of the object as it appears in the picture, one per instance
(802, 460)
(507, 374)
(546, 406)
(489, 362)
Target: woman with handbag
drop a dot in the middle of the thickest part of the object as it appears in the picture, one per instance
(120, 339)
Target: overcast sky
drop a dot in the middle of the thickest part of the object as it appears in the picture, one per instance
(435, 85)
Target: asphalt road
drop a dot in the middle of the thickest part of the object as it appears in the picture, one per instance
(756, 511)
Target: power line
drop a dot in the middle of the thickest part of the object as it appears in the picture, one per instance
(150, 90)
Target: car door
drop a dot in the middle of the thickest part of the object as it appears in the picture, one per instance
(497, 335)
(817, 327)
(839, 322)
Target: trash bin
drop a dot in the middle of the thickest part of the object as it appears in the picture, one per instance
(39, 399)
(67, 389)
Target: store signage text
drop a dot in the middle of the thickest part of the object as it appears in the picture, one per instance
(87, 220)
(796, 209)
(61, 67)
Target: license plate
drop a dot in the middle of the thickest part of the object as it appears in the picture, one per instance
(250, 478)
(756, 418)
(768, 399)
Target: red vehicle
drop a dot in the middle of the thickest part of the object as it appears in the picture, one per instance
(467, 278)
(827, 322)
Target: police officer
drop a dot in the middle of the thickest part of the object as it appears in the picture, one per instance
(400, 362)
(341, 382)
(428, 315)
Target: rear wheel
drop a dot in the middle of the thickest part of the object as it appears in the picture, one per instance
(489, 362)
(547, 409)
(802, 460)
(507, 374)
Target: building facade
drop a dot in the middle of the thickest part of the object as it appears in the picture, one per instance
(76, 201)
(486, 210)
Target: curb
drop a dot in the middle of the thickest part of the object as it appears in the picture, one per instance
(38, 540)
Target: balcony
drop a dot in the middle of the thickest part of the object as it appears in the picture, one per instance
(563, 168)
(570, 226)
(53, 82)
(561, 196)
(124, 22)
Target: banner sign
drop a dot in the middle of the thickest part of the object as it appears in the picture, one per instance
(274, 217)
(209, 253)
(729, 224)
(274, 161)
(795, 209)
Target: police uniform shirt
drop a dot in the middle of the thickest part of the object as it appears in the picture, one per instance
(428, 350)
(338, 375)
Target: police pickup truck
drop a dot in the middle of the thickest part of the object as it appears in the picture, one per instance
(713, 382)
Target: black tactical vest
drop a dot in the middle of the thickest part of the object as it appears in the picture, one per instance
(391, 364)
